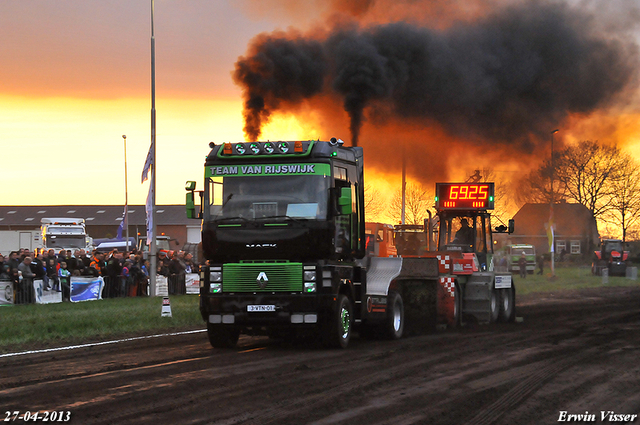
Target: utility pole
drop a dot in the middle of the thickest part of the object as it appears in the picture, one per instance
(551, 218)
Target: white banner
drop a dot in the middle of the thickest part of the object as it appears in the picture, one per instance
(45, 297)
(6, 292)
(192, 283)
(162, 286)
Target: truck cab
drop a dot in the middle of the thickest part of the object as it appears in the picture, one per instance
(282, 227)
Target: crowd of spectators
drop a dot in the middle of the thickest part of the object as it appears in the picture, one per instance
(124, 274)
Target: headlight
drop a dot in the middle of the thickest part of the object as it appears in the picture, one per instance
(310, 275)
(309, 287)
(215, 276)
(215, 288)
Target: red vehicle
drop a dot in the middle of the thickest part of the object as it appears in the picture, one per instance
(612, 257)
(380, 241)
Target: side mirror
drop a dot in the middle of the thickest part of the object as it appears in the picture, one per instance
(344, 201)
(512, 226)
(191, 206)
(190, 186)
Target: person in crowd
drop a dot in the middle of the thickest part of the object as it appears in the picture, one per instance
(72, 261)
(114, 272)
(12, 271)
(163, 264)
(62, 256)
(85, 260)
(541, 264)
(38, 268)
(1, 261)
(25, 294)
(522, 264)
(65, 281)
(189, 266)
(124, 277)
(51, 267)
(177, 273)
(97, 266)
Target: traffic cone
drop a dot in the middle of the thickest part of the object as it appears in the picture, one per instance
(166, 307)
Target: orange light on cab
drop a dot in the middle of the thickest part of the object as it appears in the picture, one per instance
(298, 147)
(227, 148)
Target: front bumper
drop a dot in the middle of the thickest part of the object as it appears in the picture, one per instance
(288, 309)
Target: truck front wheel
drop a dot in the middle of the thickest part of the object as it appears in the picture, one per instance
(222, 336)
(337, 329)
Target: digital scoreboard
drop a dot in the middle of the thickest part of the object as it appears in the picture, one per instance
(464, 196)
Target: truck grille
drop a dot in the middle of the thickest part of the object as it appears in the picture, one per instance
(262, 277)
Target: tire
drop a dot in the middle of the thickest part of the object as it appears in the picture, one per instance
(338, 327)
(394, 326)
(507, 305)
(222, 336)
(495, 305)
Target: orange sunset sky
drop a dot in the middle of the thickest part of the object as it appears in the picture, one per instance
(75, 77)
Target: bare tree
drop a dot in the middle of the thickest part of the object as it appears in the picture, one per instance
(417, 201)
(587, 172)
(624, 202)
(535, 187)
(373, 203)
(583, 173)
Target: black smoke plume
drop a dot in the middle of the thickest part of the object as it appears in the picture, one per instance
(508, 78)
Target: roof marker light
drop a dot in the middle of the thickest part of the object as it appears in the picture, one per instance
(269, 147)
(284, 147)
(227, 148)
(298, 146)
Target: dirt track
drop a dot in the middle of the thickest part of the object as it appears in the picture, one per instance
(578, 353)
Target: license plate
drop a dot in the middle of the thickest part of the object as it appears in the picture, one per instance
(260, 308)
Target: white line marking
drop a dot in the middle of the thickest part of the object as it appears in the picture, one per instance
(95, 344)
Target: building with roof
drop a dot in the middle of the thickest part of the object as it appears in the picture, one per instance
(102, 221)
(576, 230)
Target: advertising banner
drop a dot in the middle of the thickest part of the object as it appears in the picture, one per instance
(45, 297)
(192, 283)
(86, 288)
(6, 292)
(162, 286)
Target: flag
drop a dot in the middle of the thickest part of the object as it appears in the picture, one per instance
(121, 227)
(551, 226)
(147, 164)
(148, 209)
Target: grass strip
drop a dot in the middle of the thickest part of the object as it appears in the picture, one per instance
(46, 325)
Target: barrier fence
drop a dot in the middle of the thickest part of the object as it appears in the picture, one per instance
(83, 288)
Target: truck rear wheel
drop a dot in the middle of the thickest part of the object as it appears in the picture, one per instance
(222, 336)
(495, 305)
(394, 325)
(508, 305)
(337, 329)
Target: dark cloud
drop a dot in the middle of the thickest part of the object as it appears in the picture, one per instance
(508, 77)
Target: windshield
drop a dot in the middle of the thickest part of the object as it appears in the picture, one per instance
(258, 198)
(65, 242)
(613, 246)
(515, 250)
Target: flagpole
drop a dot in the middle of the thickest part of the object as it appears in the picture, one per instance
(126, 194)
(152, 247)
